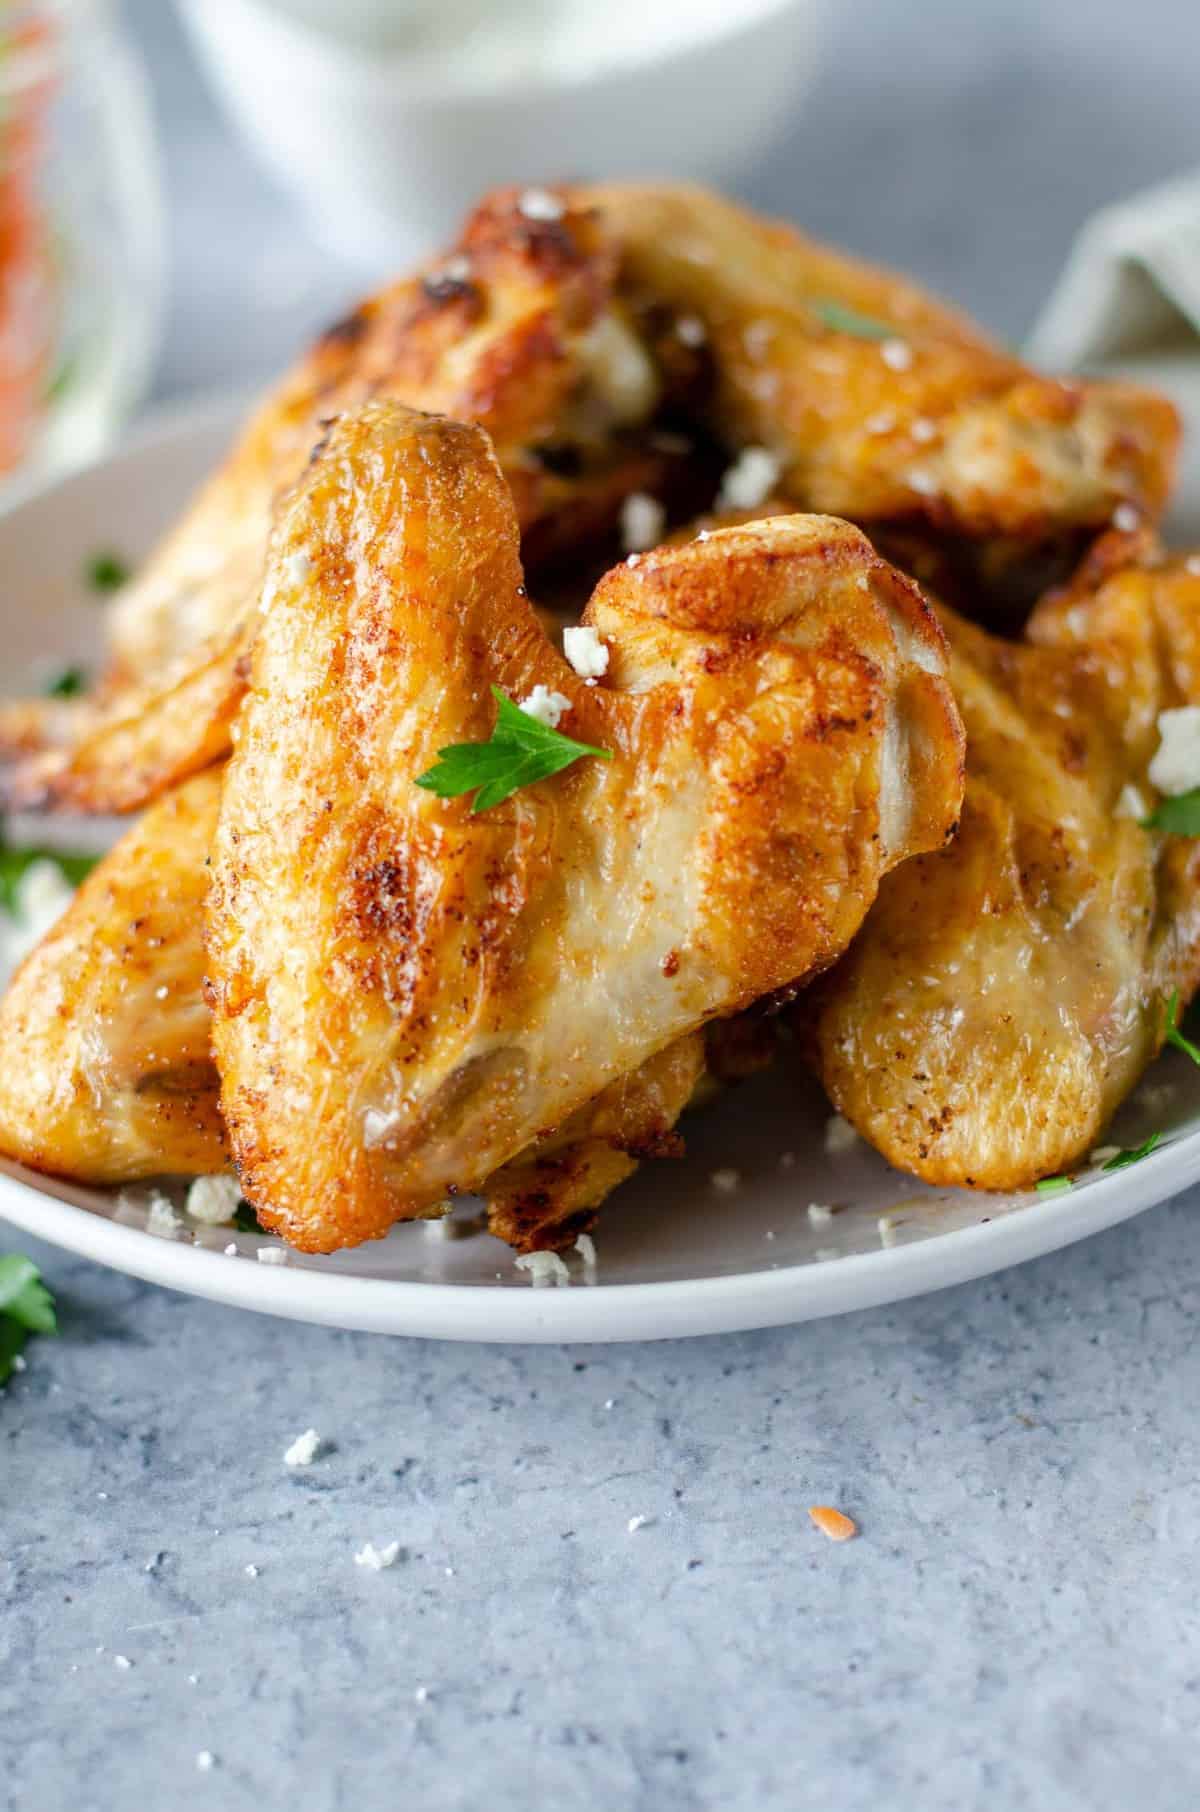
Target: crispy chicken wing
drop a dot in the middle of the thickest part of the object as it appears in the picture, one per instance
(880, 404)
(108, 1072)
(406, 994)
(1006, 993)
(517, 328)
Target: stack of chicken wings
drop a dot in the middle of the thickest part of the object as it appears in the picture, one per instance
(639, 627)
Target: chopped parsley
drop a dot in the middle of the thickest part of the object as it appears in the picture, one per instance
(520, 752)
(1180, 815)
(14, 863)
(848, 320)
(1173, 1035)
(106, 571)
(1133, 1153)
(26, 1307)
(1053, 1185)
(67, 684)
(245, 1219)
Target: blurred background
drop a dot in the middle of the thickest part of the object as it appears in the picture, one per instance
(239, 169)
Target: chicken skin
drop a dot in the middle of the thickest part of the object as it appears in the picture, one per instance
(574, 336)
(108, 1072)
(407, 994)
(1005, 994)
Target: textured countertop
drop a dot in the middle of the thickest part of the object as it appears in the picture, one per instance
(1015, 1627)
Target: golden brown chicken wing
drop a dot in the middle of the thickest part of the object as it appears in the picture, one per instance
(108, 1072)
(1006, 993)
(878, 403)
(517, 328)
(406, 994)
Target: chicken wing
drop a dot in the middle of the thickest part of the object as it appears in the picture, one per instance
(108, 1072)
(1006, 993)
(879, 403)
(517, 327)
(407, 994)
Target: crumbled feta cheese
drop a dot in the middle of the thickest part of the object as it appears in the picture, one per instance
(1103, 1154)
(546, 707)
(376, 1559)
(231, 1250)
(422, 1695)
(610, 1402)
(297, 566)
(304, 1449)
(123, 1662)
(896, 355)
(540, 204)
(378, 1127)
(206, 1761)
(251, 1571)
(1131, 803)
(161, 1218)
(820, 1214)
(161, 992)
(1126, 518)
(749, 481)
(585, 650)
(726, 1181)
(272, 1255)
(585, 1245)
(886, 1228)
(638, 1522)
(690, 330)
(840, 1136)
(545, 1269)
(643, 521)
(214, 1199)
(1176, 767)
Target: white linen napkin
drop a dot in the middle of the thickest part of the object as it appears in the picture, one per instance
(1128, 303)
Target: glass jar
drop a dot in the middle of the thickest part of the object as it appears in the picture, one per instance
(81, 240)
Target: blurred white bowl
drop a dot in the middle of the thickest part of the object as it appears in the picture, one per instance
(388, 146)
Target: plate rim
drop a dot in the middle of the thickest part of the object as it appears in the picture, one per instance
(736, 1301)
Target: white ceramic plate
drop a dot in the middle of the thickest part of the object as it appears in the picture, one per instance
(677, 1254)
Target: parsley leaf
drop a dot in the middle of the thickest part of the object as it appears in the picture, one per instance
(67, 684)
(520, 752)
(1172, 1033)
(106, 571)
(245, 1219)
(26, 1307)
(15, 862)
(1133, 1153)
(848, 320)
(1180, 814)
(1053, 1185)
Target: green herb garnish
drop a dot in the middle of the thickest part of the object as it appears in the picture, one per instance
(1173, 1035)
(26, 1307)
(848, 320)
(106, 572)
(1053, 1185)
(245, 1219)
(520, 752)
(67, 684)
(14, 864)
(1180, 815)
(1133, 1154)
